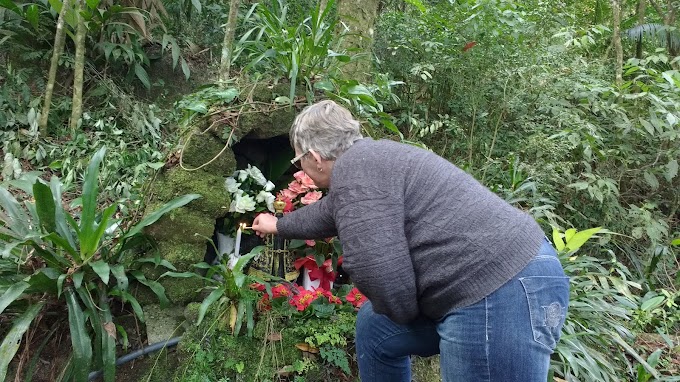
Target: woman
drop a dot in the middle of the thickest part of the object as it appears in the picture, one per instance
(449, 267)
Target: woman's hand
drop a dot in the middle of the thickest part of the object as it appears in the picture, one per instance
(265, 224)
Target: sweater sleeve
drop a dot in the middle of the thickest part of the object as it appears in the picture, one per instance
(314, 221)
(376, 255)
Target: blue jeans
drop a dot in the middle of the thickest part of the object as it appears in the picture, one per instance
(507, 336)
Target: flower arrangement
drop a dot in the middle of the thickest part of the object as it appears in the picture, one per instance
(301, 191)
(251, 193)
(294, 300)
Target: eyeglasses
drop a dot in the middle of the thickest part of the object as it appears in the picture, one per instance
(296, 161)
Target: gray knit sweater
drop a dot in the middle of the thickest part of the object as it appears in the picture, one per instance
(419, 235)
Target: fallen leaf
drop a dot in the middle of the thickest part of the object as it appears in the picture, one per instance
(110, 328)
(276, 336)
(305, 347)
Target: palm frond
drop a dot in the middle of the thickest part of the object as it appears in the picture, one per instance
(657, 32)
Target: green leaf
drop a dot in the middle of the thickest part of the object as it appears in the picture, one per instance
(671, 170)
(648, 126)
(185, 68)
(33, 16)
(12, 294)
(127, 297)
(418, 4)
(197, 5)
(102, 269)
(9, 4)
(80, 341)
(676, 242)
(44, 203)
(10, 344)
(651, 180)
(92, 4)
(18, 221)
(155, 287)
(142, 75)
(578, 239)
(557, 239)
(78, 279)
(652, 303)
(154, 216)
(212, 297)
(118, 271)
(96, 238)
(568, 234)
(89, 208)
(61, 219)
(60, 283)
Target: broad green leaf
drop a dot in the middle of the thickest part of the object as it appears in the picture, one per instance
(671, 170)
(648, 126)
(61, 243)
(118, 271)
(174, 50)
(102, 269)
(44, 203)
(581, 237)
(154, 216)
(212, 297)
(180, 275)
(652, 303)
(9, 4)
(60, 283)
(127, 297)
(93, 4)
(89, 207)
(32, 15)
(651, 180)
(61, 221)
(142, 75)
(108, 338)
(155, 287)
(94, 241)
(568, 234)
(185, 68)
(80, 340)
(12, 294)
(78, 279)
(557, 239)
(418, 4)
(676, 242)
(18, 221)
(10, 344)
(240, 313)
(197, 5)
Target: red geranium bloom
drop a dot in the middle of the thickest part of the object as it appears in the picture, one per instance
(258, 287)
(356, 298)
(280, 291)
(302, 300)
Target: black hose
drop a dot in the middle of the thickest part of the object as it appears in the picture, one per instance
(137, 353)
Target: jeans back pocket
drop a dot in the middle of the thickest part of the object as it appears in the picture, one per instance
(548, 298)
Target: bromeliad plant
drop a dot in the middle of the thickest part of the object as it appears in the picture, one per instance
(69, 258)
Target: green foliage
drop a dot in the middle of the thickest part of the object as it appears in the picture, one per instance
(231, 293)
(77, 255)
(299, 52)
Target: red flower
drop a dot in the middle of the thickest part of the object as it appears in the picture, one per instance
(332, 299)
(469, 45)
(280, 291)
(356, 298)
(324, 274)
(258, 287)
(302, 300)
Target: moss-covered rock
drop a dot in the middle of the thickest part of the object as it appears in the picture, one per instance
(266, 125)
(182, 226)
(425, 369)
(202, 148)
(176, 182)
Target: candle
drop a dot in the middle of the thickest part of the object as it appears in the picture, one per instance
(237, 243)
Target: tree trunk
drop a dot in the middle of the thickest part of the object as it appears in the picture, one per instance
(78, 69)
(359, 16)
(642, 6)
(54, 65)
(616, 10)
(228, 43)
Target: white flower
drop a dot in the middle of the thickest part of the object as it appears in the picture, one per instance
(257, 175)
(267, 197)
(242, 175)
(242, 204)
(269, 186)
(231, 185)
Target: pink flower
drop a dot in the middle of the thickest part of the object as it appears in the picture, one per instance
(311, 197)
(297, 187)
(305, 180)
(287, 194)
(310, 243)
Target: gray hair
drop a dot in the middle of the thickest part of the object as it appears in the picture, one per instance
(325, 127)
